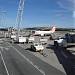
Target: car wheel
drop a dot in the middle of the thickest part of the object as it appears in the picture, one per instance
(34, 49)
(31, 47)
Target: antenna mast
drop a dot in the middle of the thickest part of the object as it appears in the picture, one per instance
(19, 15)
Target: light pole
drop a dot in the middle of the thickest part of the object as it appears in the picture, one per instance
(3, 17)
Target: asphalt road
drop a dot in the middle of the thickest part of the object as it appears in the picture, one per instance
(14, 60)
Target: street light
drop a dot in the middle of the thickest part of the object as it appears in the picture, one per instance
(3, 16)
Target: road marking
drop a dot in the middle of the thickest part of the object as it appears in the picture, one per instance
(4, 63)
(1, 48)
(7, 48)
(40, 70)
(64, 54)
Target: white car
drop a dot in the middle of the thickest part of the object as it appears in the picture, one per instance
(37, 47)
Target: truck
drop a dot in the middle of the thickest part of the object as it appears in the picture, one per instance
(43, 41)
(13, 36)
(30, 39)
(65, 41)
(52, 37)
(19, 39)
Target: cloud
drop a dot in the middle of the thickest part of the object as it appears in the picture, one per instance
(72, 1)
(61, 11)
(66, 4)
(58, 15)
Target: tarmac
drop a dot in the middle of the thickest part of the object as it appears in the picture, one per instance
(51, 54)
(48, 56)
(58, 57)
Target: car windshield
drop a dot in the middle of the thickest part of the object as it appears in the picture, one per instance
(63, 37)
(37, 44)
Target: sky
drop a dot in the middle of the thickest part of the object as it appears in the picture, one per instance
(38, 13)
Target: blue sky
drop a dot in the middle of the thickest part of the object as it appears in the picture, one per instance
(39, 13)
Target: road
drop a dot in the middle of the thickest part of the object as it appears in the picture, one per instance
(14, 60)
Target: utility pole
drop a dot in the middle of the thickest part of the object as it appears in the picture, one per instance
(19, 15)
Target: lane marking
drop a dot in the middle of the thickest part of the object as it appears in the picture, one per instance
(4, 63)
(7, 48)
(35, 66)
(1, 48)
(4, 47)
